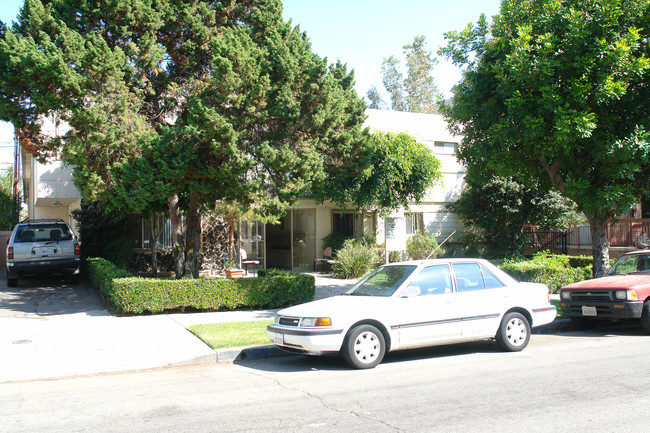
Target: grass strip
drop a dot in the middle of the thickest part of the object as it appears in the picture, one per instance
(233, 334)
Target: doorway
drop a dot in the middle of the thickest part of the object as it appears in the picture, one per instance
(291, 244)
(278, 244)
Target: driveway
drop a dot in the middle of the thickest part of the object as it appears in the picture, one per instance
(43, 296)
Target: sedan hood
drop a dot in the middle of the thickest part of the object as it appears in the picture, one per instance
(614, 282)
(335, 305)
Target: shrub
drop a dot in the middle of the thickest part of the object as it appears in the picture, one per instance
(355, 259)
(553, 270)
(335, 241)
(130, 295)
(102, 234)
(419, 246)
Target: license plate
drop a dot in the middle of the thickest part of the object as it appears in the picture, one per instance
(278, 339)
(589, 311)
(44, 251)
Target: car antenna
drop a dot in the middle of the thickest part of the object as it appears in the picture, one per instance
(438, 247)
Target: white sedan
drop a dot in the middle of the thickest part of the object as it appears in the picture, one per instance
(416, 304)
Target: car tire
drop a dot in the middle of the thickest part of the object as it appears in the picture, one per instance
(12, 282)
(514, 333)
(364, 347)
(645, 317)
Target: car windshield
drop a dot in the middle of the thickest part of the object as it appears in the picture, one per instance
(43, 233)
(382, 282)
(632, 264)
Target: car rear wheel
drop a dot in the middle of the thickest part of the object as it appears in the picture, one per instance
(514, 333)
(364, 347)
(12, 282)
(645, 317)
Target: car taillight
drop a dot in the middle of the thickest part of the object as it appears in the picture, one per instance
(10, 253)
(76, 249)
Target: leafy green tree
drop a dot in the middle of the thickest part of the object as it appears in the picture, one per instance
(556, 93)
(375, 99)
(393, 81)
(9, 205)
(398, 172)
(498, 208)
(184, 102)
(417, 91)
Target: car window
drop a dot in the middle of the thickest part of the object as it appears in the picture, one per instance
(43, 233)
(382, 282)
(468, 277)
(491, 282)
(433, 280)
(632, 264)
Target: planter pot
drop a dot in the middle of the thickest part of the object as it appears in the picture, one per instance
(234, 273)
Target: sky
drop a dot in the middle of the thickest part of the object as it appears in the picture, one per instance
(360, 33)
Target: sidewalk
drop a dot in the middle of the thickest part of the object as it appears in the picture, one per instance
(94, 342)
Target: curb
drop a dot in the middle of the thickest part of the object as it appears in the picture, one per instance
(234, 354)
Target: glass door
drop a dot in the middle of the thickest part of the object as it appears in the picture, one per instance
(252, 240)
(304, 238)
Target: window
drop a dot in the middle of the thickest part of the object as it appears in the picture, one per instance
(472, 276)
(414, 222)
(139, 235)
(433, 280)
(343, 223)
(445, 144)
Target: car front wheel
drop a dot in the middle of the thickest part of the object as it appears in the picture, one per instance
(364, 347)
(514, 333)
(645, 317)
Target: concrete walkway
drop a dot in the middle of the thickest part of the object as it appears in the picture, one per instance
(94, 342)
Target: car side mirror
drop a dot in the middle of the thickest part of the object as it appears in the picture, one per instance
(411, 292)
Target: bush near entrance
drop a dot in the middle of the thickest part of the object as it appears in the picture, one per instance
(135, 295)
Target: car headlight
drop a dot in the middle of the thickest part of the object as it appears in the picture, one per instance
(626, 295)
(312, 322)
(565, 295)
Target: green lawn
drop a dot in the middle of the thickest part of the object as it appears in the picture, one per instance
(234, 334)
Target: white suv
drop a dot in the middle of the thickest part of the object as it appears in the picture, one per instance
(42, 246)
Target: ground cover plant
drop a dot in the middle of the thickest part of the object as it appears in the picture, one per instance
(232, 334)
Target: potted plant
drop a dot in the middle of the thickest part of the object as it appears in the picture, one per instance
(233, 271)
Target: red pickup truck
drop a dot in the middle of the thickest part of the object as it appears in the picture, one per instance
(623, 293)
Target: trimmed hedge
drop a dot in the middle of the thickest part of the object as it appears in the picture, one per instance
(135, 295)
(556, 271)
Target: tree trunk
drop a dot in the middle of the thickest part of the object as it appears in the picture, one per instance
(178, 240)
(599, 247)
(155, 230)
(193, 235)
(153, 243)
(231, 237)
